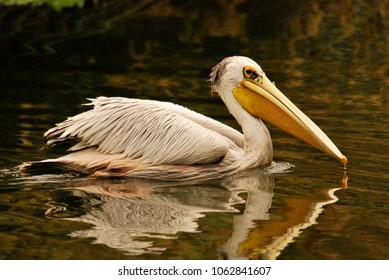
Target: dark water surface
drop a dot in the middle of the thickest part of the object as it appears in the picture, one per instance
(331, 59)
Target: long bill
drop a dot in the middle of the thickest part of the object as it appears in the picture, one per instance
(262, 99)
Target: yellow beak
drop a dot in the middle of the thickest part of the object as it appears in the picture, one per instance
(262, 99)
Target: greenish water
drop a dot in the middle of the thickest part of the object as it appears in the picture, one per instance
(331, 59)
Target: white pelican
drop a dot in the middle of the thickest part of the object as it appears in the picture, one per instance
(161, 140)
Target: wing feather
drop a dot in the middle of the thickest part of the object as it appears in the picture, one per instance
(149, 131)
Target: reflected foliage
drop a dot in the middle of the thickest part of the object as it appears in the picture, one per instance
(55, 4)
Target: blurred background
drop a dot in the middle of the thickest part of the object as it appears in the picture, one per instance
(331, 58)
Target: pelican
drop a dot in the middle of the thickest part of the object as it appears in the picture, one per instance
(162, 140)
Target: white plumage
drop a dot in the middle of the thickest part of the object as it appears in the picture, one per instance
(148, 131)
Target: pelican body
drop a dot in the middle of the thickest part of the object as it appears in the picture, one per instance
(162, 140)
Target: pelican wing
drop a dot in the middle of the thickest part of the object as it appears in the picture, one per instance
(148, 131)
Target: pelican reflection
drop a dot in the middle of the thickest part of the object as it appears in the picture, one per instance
(133, 216)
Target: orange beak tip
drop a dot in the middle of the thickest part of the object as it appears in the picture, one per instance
(344, 160)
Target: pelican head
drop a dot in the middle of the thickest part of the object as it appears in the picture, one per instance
(240, 81)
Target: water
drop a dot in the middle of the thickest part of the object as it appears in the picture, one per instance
(329, 58)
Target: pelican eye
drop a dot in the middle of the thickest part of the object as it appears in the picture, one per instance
(249, 73)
